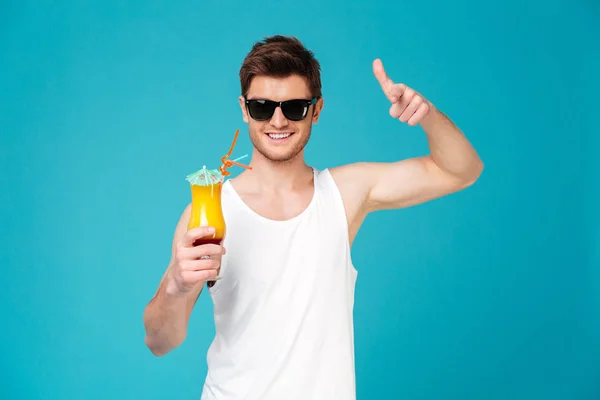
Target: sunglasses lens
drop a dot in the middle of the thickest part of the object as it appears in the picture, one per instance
(295, 110)
(261, 109)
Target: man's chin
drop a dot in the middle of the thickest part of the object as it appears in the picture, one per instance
(279, 156)
(277, 153)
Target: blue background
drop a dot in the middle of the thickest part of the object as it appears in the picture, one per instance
(105, 106)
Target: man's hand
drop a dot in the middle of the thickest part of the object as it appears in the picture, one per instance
(407, 105)
(193, 264)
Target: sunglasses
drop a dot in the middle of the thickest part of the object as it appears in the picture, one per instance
(294, 110)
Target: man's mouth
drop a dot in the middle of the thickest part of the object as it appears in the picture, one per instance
(279, 135)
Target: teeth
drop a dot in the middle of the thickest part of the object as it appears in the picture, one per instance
(279, 135)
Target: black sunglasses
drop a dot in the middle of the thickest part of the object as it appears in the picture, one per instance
(294, 110)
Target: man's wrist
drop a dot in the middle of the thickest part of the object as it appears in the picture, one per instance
(436, 121)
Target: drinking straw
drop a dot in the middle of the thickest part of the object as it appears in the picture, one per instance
(228, 163)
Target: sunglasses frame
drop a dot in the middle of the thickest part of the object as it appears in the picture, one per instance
(280, 104)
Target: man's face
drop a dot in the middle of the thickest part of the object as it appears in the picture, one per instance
(279, 138)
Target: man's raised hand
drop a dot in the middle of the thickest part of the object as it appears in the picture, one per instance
(407, 105)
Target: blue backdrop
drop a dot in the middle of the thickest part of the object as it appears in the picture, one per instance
(105, 106)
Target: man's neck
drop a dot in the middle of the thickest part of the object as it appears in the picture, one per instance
(270, 175)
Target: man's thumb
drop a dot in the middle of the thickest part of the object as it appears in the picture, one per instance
(380, 74)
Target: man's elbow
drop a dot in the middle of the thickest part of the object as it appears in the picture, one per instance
(160, 347)
(471, 176)
(154, 347)
(477, 171)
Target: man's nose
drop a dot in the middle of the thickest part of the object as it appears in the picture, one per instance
(278, 120)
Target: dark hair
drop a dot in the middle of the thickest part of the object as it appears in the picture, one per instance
(281, 56)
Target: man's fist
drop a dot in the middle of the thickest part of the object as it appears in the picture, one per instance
(194, 264)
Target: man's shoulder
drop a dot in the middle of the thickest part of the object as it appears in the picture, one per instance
(350, 181)
(349, 174)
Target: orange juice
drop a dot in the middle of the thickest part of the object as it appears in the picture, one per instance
(207, 211)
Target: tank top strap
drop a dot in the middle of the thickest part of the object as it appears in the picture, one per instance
(330, 195)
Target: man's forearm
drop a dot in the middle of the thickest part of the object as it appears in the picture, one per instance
(450, 149)
(165, 320)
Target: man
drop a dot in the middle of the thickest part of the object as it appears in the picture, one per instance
(283, 306)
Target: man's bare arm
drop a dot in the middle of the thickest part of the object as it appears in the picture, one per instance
(451, 165)
(166, 316)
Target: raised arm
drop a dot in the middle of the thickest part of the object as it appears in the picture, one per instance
(166, 316)
(451, 165)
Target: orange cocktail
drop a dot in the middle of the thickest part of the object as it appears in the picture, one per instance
(207, 211)
(206, 186)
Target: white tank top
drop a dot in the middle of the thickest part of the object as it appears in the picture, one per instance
(283, 309)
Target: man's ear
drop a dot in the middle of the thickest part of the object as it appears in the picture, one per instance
(242, 101)
(317, 110)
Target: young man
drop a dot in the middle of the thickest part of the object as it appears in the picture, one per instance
(284, 304)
